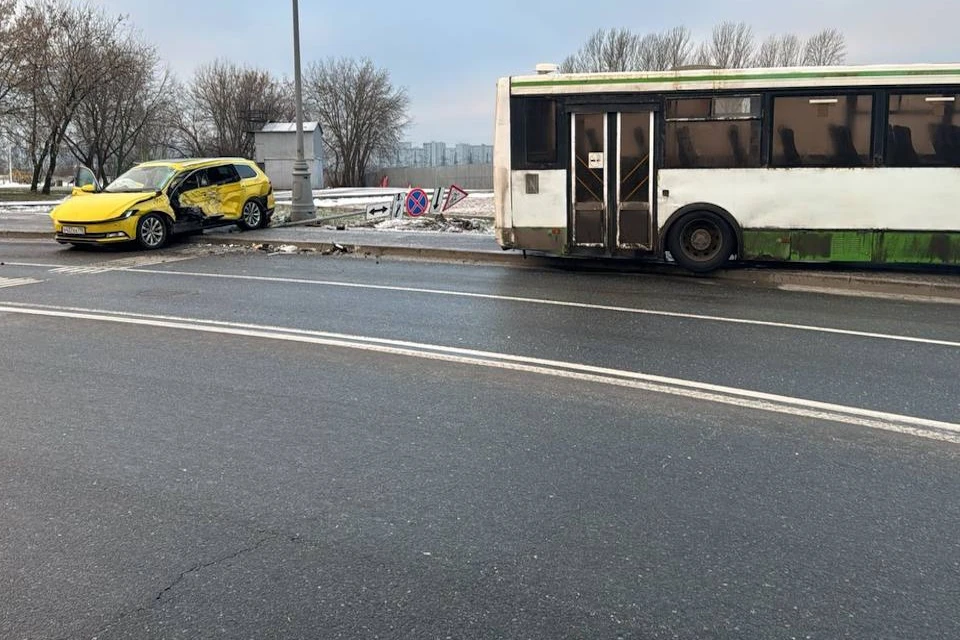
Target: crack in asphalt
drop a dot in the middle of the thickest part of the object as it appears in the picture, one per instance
(200, 566)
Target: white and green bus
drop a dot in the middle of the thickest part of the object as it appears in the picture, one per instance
(843, 164)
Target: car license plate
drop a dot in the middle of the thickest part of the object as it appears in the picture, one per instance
(74, 231)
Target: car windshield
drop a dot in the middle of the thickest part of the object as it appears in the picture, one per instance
(141, 179)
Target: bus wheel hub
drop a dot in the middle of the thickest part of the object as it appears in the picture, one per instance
(701, 240)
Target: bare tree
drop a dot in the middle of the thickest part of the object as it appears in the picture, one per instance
(115, 115)
(223, 102)
(362, 113)
(613, 50)
(703, 57)
(14, 42)
(780, 51)
(828, 47)
(732, 45)
(67, 60)
(768, 53)
(620, 50)
(677, 44)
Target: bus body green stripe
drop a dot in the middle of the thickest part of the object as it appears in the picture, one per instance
(789, 75)
(880, 247)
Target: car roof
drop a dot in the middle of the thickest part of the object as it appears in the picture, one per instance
(185, 164)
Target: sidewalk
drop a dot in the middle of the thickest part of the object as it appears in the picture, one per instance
(934, 285)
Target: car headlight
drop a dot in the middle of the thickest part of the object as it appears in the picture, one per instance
(128, 214)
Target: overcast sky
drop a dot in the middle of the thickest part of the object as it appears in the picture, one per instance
(448, 54)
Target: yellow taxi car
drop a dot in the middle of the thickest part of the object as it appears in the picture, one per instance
(157, 199)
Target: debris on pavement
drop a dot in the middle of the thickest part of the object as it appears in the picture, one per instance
(337, 248)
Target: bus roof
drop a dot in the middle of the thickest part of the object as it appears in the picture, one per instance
(736, 79)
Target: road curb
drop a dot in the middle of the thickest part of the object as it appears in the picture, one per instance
(921, 287)
(380, 251)
(878, 285)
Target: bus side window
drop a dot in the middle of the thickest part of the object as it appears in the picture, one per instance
(538, 135)
(713, 133)
(827, 131)
(924, 130)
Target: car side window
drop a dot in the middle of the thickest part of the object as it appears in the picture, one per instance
(224, 174)
(190, 183)
(246, 172)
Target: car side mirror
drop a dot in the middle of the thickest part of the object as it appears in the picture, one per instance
(89, 188)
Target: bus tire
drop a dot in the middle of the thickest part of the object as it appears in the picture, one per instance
(701, 241)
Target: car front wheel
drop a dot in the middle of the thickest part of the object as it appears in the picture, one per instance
(152, 231)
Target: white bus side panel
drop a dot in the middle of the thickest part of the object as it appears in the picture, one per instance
(546, 209)
(874, 198)
(503, 208)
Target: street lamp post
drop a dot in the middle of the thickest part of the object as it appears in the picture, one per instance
(302, 207)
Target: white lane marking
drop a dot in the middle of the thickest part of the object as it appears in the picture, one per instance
(745, 398)
(561, 303)
(78, 270)
(119, 264)
(17, 282)
(898, 297)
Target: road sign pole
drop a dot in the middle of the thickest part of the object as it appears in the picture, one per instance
(302, 207)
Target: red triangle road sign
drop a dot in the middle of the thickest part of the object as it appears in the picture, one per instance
(455, 196)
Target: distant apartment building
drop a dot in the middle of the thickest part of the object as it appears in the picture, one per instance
(438, 154)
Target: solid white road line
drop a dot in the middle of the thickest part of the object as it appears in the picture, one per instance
(744, 398)
(558, 303)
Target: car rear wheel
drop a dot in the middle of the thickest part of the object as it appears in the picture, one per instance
(252, 216)
(152, 231)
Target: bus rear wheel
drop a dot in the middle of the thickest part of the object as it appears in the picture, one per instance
(701, 242)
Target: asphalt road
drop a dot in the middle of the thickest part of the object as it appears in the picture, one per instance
(253, 446)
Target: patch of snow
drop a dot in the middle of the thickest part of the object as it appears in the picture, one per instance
(439, 224)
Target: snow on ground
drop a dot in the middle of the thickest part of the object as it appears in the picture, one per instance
(478, 203)
(439, 224)
(24, 209)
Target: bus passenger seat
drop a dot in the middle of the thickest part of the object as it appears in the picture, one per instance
(688, 155)
(739, 153)
(790, 154)
(943, 143)
(904, 153)
(845, 152)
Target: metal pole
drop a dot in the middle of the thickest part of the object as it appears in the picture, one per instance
(302, 207)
